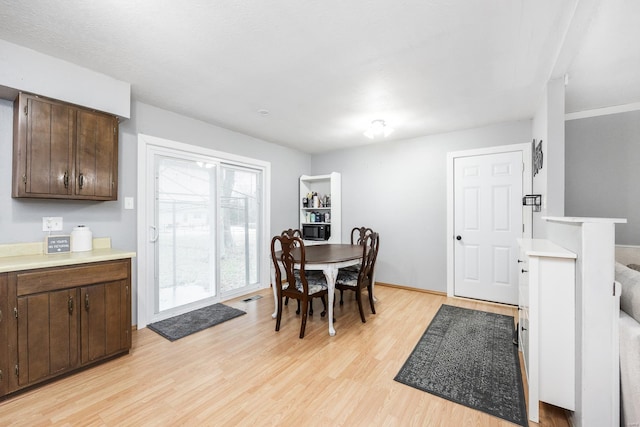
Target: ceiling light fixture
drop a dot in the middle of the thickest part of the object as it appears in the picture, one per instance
(378, 129)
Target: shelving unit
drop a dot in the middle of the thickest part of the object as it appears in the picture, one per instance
(329, 185)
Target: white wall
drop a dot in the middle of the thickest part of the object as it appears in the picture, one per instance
(548, 126)
(23, 69)
(399, 190)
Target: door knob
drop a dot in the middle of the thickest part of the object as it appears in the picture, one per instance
(458, 237)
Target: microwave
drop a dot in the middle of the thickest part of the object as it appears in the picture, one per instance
(316, 231)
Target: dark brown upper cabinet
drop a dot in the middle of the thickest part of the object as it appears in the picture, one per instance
(63, 151)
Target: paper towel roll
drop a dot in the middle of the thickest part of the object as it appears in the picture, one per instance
(81, 239)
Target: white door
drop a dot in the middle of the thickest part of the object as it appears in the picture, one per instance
(487, 224)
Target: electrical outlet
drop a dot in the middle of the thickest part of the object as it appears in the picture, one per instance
(51, 223)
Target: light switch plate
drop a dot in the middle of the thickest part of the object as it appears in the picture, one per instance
(128, 202)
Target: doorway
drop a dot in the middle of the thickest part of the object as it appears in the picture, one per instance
(485, 219)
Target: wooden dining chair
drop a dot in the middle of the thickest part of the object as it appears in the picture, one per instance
(357, 281)
(291, 232)
(298, 284)
(358, 234)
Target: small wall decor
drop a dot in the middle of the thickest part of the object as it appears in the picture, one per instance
(537, 157)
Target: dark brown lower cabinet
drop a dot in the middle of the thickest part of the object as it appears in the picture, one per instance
(47, 335)
(105, 322)
(63, 319)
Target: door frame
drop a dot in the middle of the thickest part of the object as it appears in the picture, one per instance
(145, 273)
(527, 185)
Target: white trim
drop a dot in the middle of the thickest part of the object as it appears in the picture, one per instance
(527, 186)
(145, 204)
(634, 106)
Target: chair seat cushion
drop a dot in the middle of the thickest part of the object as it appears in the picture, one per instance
(347, 277)
(355, 268)
(317, 282)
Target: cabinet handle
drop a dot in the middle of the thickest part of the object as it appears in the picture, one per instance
(66, 179)
(524, 271)
(80, 181)
(86, 301)
(70, 305)
(519, 261)
(523, 328)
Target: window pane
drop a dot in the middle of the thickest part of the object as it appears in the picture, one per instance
(239, 210)
(185, 202)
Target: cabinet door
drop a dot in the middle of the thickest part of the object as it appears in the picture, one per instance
(96, 156)
(105, 321)
(44, 145)
(47, 335)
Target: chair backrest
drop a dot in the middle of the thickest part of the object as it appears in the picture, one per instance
(375, 256)
(285, 260)
(292, 233)
(369, 254)
(358, 235)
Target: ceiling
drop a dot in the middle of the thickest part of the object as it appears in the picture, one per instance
(313, 74)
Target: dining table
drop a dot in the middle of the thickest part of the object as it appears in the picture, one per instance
(328, 258)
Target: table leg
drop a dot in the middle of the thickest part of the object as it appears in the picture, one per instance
(330, 273)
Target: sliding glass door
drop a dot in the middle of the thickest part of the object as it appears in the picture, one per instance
(204, 224)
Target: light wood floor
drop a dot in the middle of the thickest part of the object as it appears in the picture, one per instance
(243, 373)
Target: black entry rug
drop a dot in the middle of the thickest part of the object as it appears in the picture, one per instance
(189, 323)
(468, 357)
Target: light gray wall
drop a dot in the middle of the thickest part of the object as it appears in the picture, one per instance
(21, 219)
(399, 189)
(603, 171)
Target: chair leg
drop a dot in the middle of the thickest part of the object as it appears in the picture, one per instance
(324, 303)
(303, 325)
(310, 308)
(341, 299)
(373, 308)
(359, 299)
(279, 315)
(286, 300)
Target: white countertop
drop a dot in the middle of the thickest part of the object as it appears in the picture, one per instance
(544, 248)
(584, 219)
(29, 256)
